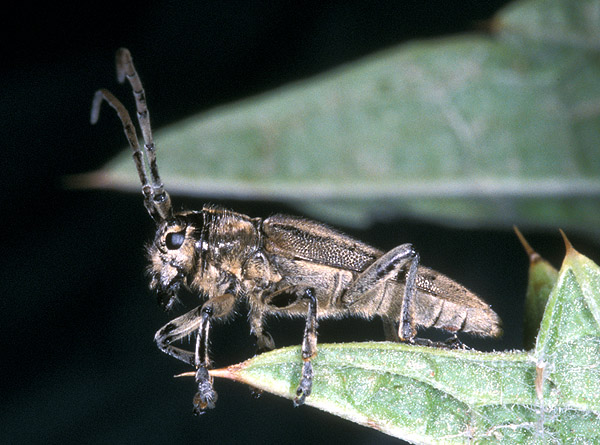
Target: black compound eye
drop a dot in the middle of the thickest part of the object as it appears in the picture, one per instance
(174, 240)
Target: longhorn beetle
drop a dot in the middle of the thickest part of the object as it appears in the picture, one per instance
(281, 265)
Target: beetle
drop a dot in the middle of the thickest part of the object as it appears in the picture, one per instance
(282, 265)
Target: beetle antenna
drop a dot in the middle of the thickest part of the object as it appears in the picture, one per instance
(156, 199)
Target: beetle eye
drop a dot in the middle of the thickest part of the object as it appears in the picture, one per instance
(174, 240)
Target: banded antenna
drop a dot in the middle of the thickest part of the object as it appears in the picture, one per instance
(156, 199)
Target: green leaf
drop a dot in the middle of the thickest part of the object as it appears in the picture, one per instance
(542, 278)
(415, 393)
(431, 395)
(568, 344)
(496, 129)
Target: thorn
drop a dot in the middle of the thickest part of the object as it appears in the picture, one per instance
(568, 246)
(226, 373)
(539, 379)
(534, 257)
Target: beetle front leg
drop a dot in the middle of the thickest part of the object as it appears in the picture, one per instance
(197, 319)
(309, 349)
(175, 330)
(206, 397)
(214, 308)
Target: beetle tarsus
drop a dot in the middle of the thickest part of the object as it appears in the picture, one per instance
(206, 397)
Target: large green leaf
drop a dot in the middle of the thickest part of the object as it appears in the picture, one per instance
(495, 128)
(430, 395)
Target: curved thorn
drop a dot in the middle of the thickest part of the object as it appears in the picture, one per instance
(568, 246)
(532, 254)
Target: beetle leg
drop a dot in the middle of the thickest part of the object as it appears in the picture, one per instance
(264, 341)
(197, 319)
(206, 397)
(309, 349)
(398, 265)
(176, 329)
(390, 329)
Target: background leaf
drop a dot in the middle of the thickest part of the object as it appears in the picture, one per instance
(488, 129)
(431, 395)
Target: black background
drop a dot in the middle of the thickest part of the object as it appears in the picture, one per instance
(78, 359)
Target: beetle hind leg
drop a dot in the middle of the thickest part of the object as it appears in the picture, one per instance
(399, 265)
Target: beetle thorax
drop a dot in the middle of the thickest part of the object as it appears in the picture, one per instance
(206, 251)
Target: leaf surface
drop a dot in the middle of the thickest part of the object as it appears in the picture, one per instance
(495, 129)
(438, 396)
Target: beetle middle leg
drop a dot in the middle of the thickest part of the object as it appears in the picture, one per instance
(309, 349)
(197, 319)
(369, 288)
(264, 341)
